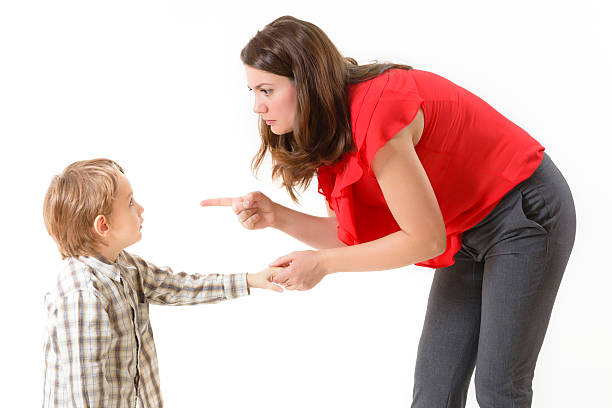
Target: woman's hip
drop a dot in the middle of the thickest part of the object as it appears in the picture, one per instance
(536, 214)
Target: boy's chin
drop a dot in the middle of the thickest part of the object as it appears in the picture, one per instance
(135, 240)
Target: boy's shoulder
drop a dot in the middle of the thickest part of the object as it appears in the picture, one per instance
(93, 275)
(84, 274)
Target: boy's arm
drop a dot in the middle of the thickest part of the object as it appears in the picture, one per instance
(83, 340)
(163, 287)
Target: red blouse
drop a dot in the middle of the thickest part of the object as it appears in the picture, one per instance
(471, 153)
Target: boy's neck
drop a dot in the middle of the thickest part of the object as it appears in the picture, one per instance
(109, 253)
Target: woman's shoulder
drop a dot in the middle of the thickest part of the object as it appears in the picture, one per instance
(393, 81)
(390, 76)
(386, 98)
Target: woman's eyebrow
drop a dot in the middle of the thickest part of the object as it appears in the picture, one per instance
(259, 86)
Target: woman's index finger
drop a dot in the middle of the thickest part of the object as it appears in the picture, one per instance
(222, 202)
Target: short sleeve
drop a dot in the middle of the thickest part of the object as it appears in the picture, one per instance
(391, 103)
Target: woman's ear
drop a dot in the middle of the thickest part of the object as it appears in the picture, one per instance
(100, 226)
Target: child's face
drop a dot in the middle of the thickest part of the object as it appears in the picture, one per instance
(126, 218)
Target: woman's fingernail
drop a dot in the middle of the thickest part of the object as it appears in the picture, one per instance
(246, 203)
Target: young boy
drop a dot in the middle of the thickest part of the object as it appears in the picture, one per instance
(99, 349)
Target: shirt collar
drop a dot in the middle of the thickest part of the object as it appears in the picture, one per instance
(112, 270)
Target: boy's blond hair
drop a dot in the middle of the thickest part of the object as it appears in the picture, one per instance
(84, 190)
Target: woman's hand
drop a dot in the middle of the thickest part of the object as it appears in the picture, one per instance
(302, 270)
(263, 279)
(253, 210)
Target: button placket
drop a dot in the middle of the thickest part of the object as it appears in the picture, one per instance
(132, 298)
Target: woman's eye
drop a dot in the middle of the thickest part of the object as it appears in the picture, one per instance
(131, 202)
(266, 91)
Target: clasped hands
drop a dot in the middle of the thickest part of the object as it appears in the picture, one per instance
(295, 271)
(301, 270)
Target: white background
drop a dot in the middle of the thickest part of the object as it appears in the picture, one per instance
(158, 86)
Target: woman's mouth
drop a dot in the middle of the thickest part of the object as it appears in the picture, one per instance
(270, 122)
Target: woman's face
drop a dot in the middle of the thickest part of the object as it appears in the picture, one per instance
(275, 99)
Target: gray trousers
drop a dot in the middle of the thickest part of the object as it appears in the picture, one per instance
(490, 310)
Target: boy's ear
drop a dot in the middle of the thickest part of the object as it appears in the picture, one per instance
(101, 226)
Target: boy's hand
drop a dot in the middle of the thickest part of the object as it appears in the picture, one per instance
(263, 279)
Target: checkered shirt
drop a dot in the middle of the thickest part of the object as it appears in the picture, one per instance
(99, 349)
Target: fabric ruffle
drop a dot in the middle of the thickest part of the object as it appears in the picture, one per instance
(380, 108)
(471, 153)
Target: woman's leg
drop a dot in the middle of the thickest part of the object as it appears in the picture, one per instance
(447, 349)
(522, 273)
(520, 250)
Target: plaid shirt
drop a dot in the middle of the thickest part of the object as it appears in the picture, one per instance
(99, 349)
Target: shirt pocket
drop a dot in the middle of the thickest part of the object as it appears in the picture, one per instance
(142, 318)
(535, 209)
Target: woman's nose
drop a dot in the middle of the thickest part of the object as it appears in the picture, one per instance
(259, 107)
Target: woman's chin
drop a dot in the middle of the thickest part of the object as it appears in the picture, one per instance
(277, 131)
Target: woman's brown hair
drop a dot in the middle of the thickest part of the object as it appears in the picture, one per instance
(322, 132)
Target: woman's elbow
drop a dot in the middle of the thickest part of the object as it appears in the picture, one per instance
(439, 246)
(432, 245)
(436, 244)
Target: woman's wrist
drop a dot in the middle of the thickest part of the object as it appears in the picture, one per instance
(324, 260)
(278, 216)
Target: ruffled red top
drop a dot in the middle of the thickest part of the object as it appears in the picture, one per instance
(471, 153)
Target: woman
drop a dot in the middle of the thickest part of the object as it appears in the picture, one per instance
(415, 170)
